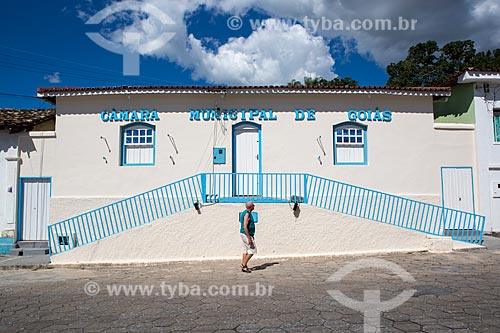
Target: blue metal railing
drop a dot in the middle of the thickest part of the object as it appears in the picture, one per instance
(242, 187)
(264, 188)
(125, 214)
(390, 209)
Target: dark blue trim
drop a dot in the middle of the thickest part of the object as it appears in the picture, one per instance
(234, 128)
(20, 206)
(259, 128)
(123, 155)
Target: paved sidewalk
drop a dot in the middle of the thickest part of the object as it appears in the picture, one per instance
(457, 292)
(13, 262)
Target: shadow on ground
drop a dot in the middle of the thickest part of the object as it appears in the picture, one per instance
(264, 266)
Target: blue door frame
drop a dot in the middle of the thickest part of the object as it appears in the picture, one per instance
(20, 206)
(233, 167)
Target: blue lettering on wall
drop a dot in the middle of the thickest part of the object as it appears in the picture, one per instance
(352, 115)
(370, 115)
(246, 114)
(235, 114)
(272, 116)
(299, 115)
(311, 114)
(126, 115)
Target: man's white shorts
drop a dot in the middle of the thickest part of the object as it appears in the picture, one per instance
(246, 247)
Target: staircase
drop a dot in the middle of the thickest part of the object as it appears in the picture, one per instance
(285, 188)
(30, 248)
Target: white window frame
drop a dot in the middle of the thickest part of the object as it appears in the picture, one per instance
(350, 135)
(138, 135)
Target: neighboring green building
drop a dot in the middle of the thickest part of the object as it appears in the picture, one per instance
(458, 108)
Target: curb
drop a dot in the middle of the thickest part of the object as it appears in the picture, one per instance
(32, 267)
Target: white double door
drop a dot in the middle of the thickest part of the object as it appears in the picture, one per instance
(247, 160)
(35, 200)
(457, 188)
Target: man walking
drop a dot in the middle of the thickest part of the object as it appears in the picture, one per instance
(247, 232)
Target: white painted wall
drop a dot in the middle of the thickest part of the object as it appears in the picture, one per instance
(8, 182)
(404, 156)
(488, 156)
(215, 235)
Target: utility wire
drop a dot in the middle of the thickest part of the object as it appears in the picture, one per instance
(84, 65)
(16, 95)
(33, 69)
(59, 68)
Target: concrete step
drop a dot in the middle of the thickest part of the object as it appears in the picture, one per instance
(16, 252)
(29, 251)
(35, 251)
(30, 248)
(32, 244)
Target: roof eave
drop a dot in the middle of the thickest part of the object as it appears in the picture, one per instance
(52, 95)
(479, 76)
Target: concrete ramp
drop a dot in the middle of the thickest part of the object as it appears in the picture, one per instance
(214, 235)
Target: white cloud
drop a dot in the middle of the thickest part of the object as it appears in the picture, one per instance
(53, 78)
(274, 56)
(267, 56)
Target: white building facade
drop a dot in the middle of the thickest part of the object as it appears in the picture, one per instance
(486, 90)
(110, 144)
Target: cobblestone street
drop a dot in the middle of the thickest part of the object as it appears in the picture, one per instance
(454, 292)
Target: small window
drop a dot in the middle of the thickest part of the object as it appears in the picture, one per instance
(350, 144)
(496, 125)
(138, 144)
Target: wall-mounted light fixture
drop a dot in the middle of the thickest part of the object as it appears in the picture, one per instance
(172, 141)
(486, 88)
(296, 200)
(320, 143)
(197, 206)
(107, 144)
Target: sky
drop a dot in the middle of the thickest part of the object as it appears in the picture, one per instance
(91, 43)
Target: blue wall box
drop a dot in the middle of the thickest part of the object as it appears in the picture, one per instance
(219, 155)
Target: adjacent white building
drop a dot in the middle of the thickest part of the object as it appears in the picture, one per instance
(18, 128)
(485, 87)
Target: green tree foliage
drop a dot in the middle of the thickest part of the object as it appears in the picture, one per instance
(429, 65)
(322, 82)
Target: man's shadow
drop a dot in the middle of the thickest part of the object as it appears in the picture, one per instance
(264, 266)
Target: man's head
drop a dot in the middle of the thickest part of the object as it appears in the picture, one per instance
(249, 206)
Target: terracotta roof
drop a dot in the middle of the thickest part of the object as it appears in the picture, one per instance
(16, 120)
(51, 92)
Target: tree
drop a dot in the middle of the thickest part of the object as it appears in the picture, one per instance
(488, 59)
(322, 82)
(428, 65)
